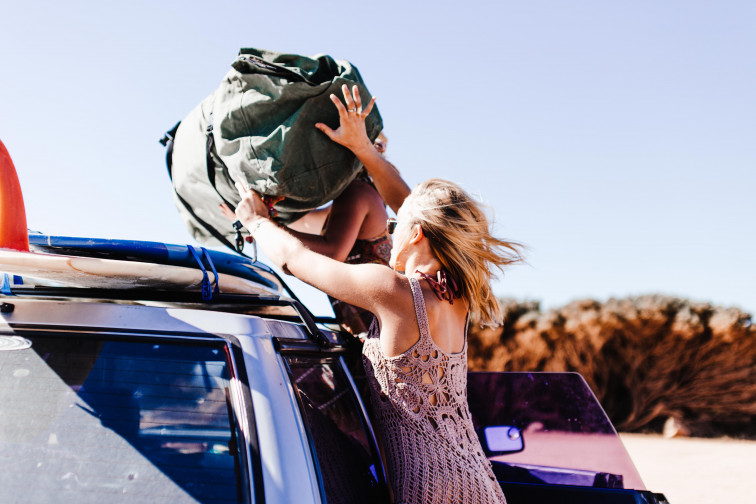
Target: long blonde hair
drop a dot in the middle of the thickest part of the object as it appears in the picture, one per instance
(460, 237)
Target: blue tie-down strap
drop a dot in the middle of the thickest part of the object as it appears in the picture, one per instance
(6, 285)
(207, 290)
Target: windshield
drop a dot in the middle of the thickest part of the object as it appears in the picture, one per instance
(93, 418)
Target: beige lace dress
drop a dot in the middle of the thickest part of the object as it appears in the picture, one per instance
(419, 400)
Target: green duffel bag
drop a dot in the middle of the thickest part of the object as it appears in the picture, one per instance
(259, 126)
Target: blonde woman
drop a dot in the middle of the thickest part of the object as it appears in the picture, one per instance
(415, 354)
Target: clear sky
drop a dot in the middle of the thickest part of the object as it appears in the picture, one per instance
(616, 139)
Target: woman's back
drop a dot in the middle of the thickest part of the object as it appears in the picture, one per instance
(420, 400)
(447, 323)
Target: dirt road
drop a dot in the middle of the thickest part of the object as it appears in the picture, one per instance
(694, 470)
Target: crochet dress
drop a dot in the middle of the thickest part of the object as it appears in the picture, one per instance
(419, 400)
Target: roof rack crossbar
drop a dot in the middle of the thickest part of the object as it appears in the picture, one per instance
(304, 315)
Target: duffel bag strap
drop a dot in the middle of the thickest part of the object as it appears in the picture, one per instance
(210, 162)
(167, 141)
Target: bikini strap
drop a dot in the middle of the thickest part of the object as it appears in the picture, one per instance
(443, 285)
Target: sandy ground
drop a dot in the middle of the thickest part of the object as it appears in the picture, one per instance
(694, 470)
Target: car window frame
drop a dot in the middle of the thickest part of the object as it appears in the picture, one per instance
(306, 349)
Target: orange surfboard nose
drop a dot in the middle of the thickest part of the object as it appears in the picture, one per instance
(13, 232)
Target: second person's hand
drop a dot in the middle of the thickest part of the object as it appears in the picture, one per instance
(351, 132)
(251, 210)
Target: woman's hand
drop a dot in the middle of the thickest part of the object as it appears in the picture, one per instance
(250, 211)
(351, 132)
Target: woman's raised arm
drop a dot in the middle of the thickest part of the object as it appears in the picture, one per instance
(351, 134)
(312, 222)
(357, 206)
(370, 286)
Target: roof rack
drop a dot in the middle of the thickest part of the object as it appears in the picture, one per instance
(183, 256)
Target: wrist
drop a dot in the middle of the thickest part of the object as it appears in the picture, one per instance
(254, 226)
(364, 149)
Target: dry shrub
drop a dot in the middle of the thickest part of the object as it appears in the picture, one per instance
(648, 359)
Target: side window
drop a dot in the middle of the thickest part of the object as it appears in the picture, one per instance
(347, 462)
(548, 428)
(97, 419)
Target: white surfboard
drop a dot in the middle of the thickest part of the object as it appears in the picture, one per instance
(110, 273)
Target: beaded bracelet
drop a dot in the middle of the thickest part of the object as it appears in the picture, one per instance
(269, 202)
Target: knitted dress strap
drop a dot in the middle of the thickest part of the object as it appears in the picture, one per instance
(420, 313)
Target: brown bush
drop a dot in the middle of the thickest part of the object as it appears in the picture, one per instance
(648, 359)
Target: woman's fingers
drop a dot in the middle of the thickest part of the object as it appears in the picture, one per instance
(325, 129)
(339, 106)
(251, 204)
(230, 215)
(357, 99)
(351, 107)
(351, 130)
(353, 102)
(358, 102)
(239, 187)
(369, 106)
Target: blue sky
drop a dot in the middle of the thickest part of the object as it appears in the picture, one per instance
(616, 139)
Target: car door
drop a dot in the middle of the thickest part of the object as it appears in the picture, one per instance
(549, 440)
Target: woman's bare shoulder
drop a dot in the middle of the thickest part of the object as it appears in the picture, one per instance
(394, 288)
(360, 189)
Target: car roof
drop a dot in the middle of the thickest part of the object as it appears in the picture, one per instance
(152, 273)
